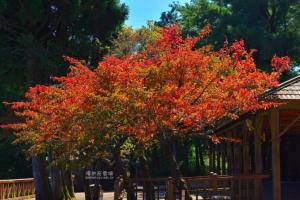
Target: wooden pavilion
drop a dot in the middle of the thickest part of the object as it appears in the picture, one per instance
(269, 147)
(270, 141)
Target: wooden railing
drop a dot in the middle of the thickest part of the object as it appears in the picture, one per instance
(17, 188)
(224, 187)
(156, 187)
(201, 187)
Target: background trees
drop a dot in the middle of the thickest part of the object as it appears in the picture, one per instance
(34, 34)
(130, 41)
(270, 26)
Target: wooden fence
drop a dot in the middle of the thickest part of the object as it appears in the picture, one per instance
(17, 188)
(201, 187)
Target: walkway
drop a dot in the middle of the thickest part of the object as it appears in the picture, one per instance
(80, 196)
(106, 196)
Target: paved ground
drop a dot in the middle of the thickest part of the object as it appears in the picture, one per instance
(290, 191)
(106, 196)
(80, 196)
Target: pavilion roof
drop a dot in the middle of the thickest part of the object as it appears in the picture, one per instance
(288, 90)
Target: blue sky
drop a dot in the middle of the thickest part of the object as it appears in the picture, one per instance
(142, 10)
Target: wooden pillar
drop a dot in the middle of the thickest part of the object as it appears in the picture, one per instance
(224, 160)
(229, 158)
(218, 147)
(213, 158)
(171, 189)
(237, 158)
(258, 155)
(289, 155)
(274, 124)
(246, 156)
(214, 182)
(237, 155)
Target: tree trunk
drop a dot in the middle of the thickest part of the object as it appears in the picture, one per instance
(41, 180)
(148, 186)
(86, 186)
(56, 183)
(59, 186)
(40, 174)
(166, 145)
(120, 170)
(92, 187)
(129, 188)
(96, 188)
(68, 180)
(61, 182)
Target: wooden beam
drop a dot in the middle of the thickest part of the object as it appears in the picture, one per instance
(292, 104)
(230, 126)
(274, 124)
(289, 126)
(258, 155)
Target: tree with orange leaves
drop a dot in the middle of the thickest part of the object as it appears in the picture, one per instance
(171, 89)
(48, 126)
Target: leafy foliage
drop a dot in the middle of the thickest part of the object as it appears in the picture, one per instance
(170, 87)
(130, 41)
(270, 26)
(34, 34)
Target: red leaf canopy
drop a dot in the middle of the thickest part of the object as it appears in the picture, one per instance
(170, 86)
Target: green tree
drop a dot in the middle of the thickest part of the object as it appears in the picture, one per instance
(130, 41)
(270, 26)
(169, 17)
(34, 34)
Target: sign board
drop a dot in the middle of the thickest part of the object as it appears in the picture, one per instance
(99, 175)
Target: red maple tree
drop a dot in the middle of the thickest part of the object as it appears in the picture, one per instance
(171, 88)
